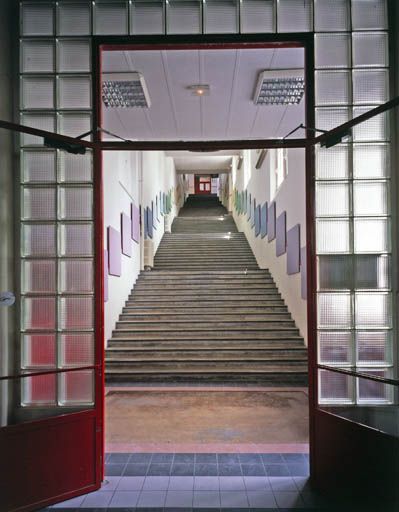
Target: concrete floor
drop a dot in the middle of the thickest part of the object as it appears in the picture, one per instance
(206, 419)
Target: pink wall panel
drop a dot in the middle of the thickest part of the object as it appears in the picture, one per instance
(126, 234)
(114, 252)
(135, 218)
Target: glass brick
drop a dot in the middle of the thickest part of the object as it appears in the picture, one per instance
(37, 19)
(370, 50)
(38, 166)
(37, 56)
(373, 310)
(329, 118)
(370, 87)
(332, 199)
(74, 19)
(332, 51)
(373, 347)
(39, 390)
(369, 15)
(370, 161)
(332, 236)
(258, 16)
(38, 240)
(371, 391)
(332, 87)
(294, 16)
(76, 203)
(331, 16)
(39, 121)
(77, 387)
(332, 163)
(38, 350)
(373, 130)
(76, 313)
(183, 17)
(370, 198)
(74, 92)
(111, 18)
(76, 276)
(335, 272)
(147, 17)
(372, 271)
(38, 203)
(38, 313)
(335, 347)
(335, 387)
(74, 124)
(75, 168)
(74, 55)
(334, 310)
(221, 16)
(37, 92)
(38, 276)
(371, 235)
(77, 349)
(76, 240)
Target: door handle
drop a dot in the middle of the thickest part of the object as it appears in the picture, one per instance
(7, 298)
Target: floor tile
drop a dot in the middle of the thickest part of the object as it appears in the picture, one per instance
(288, 499)
(261, 499)
(253, 470)
(156, 483)
(282, 484)
(228, 458)
(182, 469)
(135, 470)
(277, 470)
(185, 458)
(162, 458)
(206, 499)
(250, 458)
(118, 457)
(257, 483)
(231, 483)
(124, 499)
(72, 503)
(140, 458)
(293, 457)
(272, 458)
(206, 483)
(298, 469)
(233, 499)
(209, 458)
(97, 499)
(110, 483)
(114, 469)
(230, 470)
(152, 499)
(181, 483)
(159, 469)
(179, 499)
(203, 469)
(131, 483)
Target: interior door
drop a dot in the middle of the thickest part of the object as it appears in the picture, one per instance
(202, 185)
(51, 387)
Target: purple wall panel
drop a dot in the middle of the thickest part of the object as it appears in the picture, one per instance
(263, 221)
(281, 234)
(105, 275)
(114, 252)
(294, 250)
(126, 235)
(253, 213)
(304, 284)
(135, 219)
(271, 222)
(257, 220)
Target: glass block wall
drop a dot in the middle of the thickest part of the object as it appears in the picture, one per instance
(352, 191)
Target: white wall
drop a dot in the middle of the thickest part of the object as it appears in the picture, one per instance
(138, 177)
(290, 197)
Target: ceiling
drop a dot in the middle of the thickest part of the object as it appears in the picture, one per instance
(188, 162)
(228, 112)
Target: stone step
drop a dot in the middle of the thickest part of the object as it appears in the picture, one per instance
(204, 317)
(192, 326)
(187, 281)
(227, 287)
(126, 344)
(205, 294)
(202, 367)
(209, 303)
(227, 274)
(182, 311)
(264, 334)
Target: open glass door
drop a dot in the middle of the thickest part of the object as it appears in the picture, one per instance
(51, 389)
(354, 413)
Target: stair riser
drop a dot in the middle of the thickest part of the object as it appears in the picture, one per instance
(211, 335)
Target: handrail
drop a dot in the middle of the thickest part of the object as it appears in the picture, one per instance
(353, 373)
(50, 372)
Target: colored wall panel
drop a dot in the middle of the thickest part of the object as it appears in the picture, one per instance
(257, 220)
(281, 234)
(249, 212)
(126, 232)
(304, 284)
(114, 252)
(135, 222)
(253, 207)
(271, 222)
(150, 228)
(294, 250)
(263, 221)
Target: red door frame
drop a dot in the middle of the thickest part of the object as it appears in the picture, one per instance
(198, 182)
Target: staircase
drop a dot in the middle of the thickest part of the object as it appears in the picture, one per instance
(206, 312)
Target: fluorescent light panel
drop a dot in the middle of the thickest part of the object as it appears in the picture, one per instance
(280, 87)
(125, 90)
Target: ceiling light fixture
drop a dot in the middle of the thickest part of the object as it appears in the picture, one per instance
(199, 89)
(280, 87)
(125, 90)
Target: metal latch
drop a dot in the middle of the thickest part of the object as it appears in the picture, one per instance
(7, 298)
